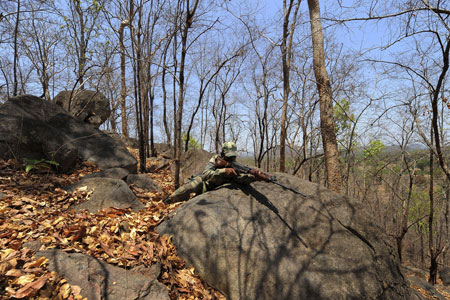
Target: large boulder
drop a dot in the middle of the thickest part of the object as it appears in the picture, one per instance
(163, 148)
(131, 142)
(31, 127)
(116, 173)
(99, 280)
(91, 107)
(144, 182)
(106, 192)
(264, 242)
(193, 162)
(444, 275)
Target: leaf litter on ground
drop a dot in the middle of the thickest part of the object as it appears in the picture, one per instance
(35, 209)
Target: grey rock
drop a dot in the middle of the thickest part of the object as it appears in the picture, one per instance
(106, 192)
(264, 242)
(423, 284)
(444, 275)
(99, 280)
(193, 162)
(94, 145)
(33, 245)
(114, 135)
(117, 173)
(142, 181)
(131, 142)
(410, 270)
(158, 164)
(33, 128)
(91, 107)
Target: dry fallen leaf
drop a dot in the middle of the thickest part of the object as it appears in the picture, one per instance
(14, 273)
(65, 291)
(24, 279)
(39, 262)
(31, 288)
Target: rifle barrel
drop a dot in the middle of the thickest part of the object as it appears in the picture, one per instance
(246, 169)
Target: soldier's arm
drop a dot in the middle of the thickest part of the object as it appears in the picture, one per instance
(245, 178)
(211, 170)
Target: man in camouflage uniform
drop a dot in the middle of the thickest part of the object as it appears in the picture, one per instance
(212, 176)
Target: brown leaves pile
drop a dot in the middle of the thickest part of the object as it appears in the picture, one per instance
(34, 209)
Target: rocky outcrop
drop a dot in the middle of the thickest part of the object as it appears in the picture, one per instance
(99, 280)
(31, 127)
(264, 242)
(193, 162)
(116, 173)
(142, 181)
(90, 107)
(106, 192)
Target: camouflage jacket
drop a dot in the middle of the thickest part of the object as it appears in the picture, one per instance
(214, 176)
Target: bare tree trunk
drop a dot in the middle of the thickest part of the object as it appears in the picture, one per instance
(178, 122)
(406, 203)
(166, 125)
(145, 114)
(328, 131)
(164, 91)
(123, 88)
(433, 255)
(16, 53)
(82, 46)
(286, 54)
(152, 142)
(191, 123)
(435, 113)
(136, 46)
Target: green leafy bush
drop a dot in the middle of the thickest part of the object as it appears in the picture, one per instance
(40, 164)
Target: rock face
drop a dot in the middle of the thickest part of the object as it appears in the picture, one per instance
(444, 275)
(116, 173)
(142, 181)
(106, 192)
(31, 127)
(91, 107)
(264, 242)
(99, 280)
(193, 162)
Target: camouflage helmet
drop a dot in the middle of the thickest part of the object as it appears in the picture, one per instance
(229, 149)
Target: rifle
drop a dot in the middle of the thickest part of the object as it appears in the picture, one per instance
(220, 162)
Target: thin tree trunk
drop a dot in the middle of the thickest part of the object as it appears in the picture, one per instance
(178, 121)
(136, 47)
(123, 88)
(328, 131)
(152, 142)
(286, 53)
(166, 125)
(433, 255)
(16, 54)
(82, 47)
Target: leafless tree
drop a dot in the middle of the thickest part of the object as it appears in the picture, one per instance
(189, 9)
(334, 180)
(205, 79)
(290, 12)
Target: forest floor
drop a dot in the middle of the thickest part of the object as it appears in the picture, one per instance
(33, 206)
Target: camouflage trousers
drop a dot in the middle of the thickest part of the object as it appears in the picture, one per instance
(195, 185)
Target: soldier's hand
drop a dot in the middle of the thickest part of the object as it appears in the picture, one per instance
(220, 163)
(230, 172)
